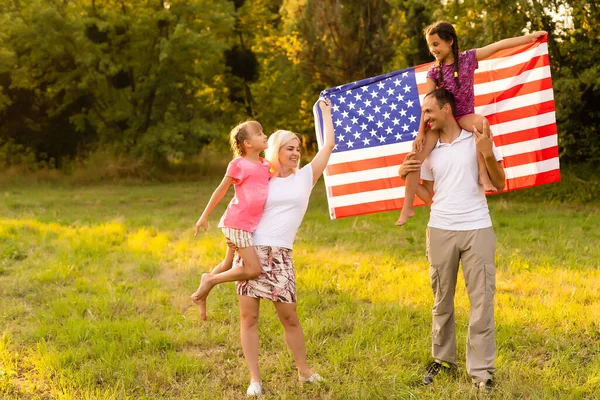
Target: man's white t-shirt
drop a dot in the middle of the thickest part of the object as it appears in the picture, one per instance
(459, 202)
(284, 210)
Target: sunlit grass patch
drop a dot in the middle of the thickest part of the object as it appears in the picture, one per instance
(95, 285)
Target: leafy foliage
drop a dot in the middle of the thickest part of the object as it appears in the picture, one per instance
(160, 80)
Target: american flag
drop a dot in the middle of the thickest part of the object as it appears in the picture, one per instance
(376, 120)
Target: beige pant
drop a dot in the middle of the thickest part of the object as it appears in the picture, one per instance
(476, 251)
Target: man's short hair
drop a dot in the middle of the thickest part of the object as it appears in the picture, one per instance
(443, 96)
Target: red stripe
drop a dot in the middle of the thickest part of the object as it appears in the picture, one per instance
(531, 157)
(532, 180)
(524, 135)
(366, 186)
(519, 113)
(373, 207)
(363, 165)
(512, 71)
(518, 49)
(518, 90)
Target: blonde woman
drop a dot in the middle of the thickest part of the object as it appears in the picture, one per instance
(287, 201)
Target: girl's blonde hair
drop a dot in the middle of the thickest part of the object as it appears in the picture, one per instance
(276, 141)
(238, 135)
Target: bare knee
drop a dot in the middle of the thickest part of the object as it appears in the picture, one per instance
(248, 320)
(289, 320)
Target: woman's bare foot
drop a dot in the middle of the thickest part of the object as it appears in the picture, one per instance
(405, 214)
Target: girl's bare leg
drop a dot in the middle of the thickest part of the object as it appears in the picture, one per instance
(250, 269)
(413, 178)
(467, 122)
(249, 310)
(221, 267)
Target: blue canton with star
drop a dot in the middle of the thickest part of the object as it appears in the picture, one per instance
(376, 111)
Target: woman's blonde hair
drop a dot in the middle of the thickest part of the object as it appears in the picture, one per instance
(276, 141)
(238, 135)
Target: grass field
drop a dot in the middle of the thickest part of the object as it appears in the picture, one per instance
(95, 284)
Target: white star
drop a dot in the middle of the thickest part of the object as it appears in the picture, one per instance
(340, 137)
(345, 114)
(384, 100)
(406, 89)
(351, 106)
(335, 107)
(381, 85)
(347, 129)
(379, 124)
(405, 127)
(386, 115)
(400, 97)
(361, 112)
(374, 94)
(350, 143)
(365, 88)
(405, 74)
(368, 103)
(403, 113)
(381, 139)
(390, 91)
(354, 120)
(338, 122)
(389, 130)
(370, 118)
(398, 136)
(397, 82)
(414, 134)
(412, 118)
(373, 132)
(342, 99)
(356, 135)
(376, 108)
(396, 121)
(393, 106)
(366, 141)
(335, 147)
(409, 103)
(358, 96)
(363, 126)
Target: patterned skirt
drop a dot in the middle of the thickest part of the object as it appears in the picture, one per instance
(277, 282)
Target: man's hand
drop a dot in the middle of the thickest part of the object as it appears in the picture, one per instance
(484, 140)
(409, 165)
(202, 223)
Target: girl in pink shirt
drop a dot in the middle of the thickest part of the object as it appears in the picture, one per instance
(455, 72)
(250, 174)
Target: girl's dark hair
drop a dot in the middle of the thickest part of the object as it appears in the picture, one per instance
(446, 32)
(237, 137)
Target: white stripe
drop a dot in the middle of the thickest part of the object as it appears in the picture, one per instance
(516, 102)
(529, 146)
(362, 176)
(371, 152)
(500, 85)
(499, 63)
(523, 124)
(398, 193)
(367, 197)
(532, 169)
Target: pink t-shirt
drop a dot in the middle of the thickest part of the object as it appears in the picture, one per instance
(251, 184)
(464, 96)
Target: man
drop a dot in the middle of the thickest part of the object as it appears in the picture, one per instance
(459, 229)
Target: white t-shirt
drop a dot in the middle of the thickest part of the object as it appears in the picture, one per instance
(284, 210)
(459, 202)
